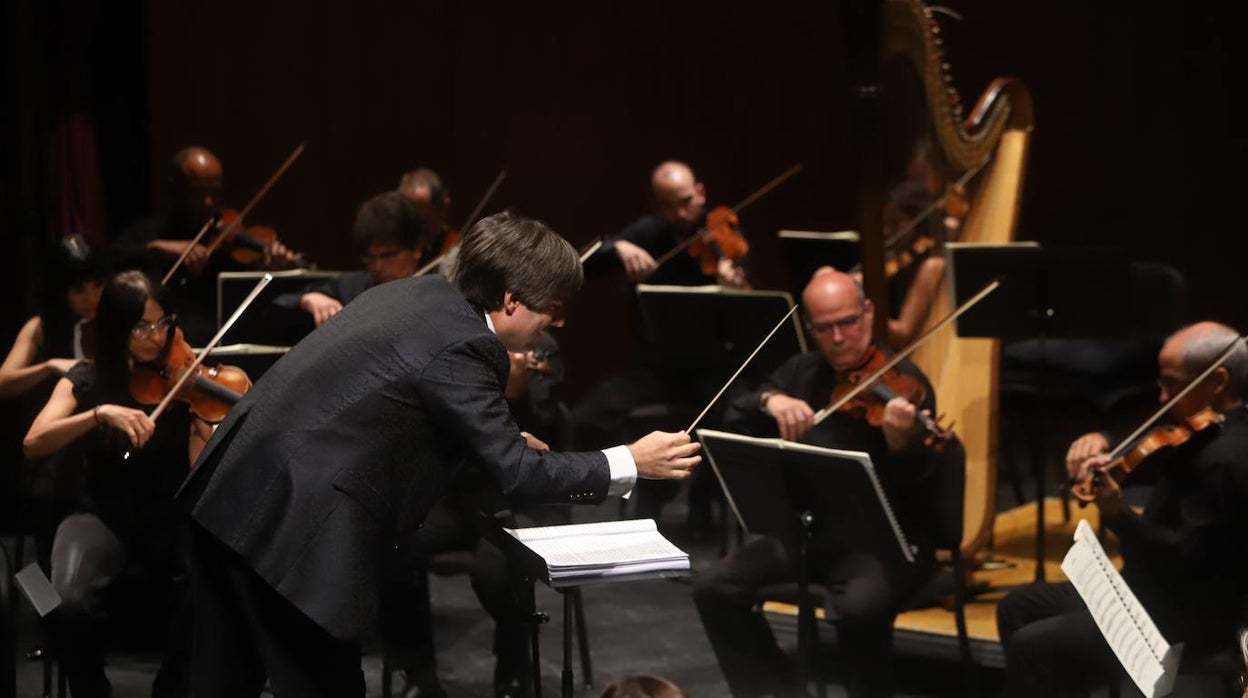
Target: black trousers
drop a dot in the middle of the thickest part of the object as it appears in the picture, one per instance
(1052, 645)
(406, 617)
(88, 558)
(246, 632)
(865, 593)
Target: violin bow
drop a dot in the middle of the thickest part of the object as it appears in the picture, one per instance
(182, 257)
(775, 182)
(203, 354)
(741, 368)
(1222, 358)
(472, 218)
(901, 355)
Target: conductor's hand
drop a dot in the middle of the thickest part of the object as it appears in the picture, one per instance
(794, 417)
(637, 262)
(1083, 448)
(534, 443)
(662, 455)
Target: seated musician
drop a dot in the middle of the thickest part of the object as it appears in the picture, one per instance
(679, 210)
(868, 581)
(424, 187)
(155, 244)
(126, 515)
(1180, 556)
(388, 233)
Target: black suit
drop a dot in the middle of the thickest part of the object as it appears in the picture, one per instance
(318, 474)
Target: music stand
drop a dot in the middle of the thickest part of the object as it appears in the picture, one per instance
(262, 323)
(781, 488)
(1044, 294)
(805, 251)
(716, 327)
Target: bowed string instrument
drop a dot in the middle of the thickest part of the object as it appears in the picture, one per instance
(866, 390)
(178, 374)
(1143, 443)
(250, 244)
(453, 237)
(720, 238)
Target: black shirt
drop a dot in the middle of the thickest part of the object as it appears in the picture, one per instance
(656, 236)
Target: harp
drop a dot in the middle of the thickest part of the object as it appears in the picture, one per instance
(924, 135)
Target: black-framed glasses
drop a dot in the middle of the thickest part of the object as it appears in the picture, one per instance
(845, 324)
(143, 328)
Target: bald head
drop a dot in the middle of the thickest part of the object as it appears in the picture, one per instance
(1191, 350)
(196, 180)
(678, 197)
(839, 317)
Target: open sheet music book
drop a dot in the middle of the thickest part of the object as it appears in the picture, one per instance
(1127, 627)
(607, 549)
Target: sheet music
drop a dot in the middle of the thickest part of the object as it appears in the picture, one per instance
(609, 548)
(1150, 661)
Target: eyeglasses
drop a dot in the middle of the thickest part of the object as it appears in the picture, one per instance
(845, 324)
(143, 328)
(370, 257)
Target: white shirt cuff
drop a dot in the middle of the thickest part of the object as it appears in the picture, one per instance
(623, 471)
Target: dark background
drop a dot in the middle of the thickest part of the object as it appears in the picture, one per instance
(1135, 145)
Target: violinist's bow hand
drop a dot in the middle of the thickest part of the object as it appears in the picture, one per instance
(638, 263)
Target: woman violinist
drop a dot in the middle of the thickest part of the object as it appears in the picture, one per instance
(50, 343)
(126, 513)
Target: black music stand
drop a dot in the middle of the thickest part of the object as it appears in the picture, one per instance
(716, 327)
(532, 568)
(262, 323)
(781, 488)
(805, 251)
(1044, 294)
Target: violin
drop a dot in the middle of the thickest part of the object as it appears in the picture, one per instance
(720, 238)
(251, 245)
(869, 403)
(1161, 439)
(210, 391)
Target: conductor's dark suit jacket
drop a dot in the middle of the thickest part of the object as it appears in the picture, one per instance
(341, 449)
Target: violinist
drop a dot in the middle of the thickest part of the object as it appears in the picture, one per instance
(868, 581)
(389, 236)
(125, 517)
(424, 188)
(1182, 556)
(155, 244)
(679, 210)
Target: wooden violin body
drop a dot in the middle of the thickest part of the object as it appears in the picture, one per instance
(720, 239)
(210, 393)
(1162, 439)
(869, 404)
